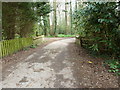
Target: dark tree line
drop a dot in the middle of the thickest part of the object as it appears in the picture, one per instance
(98, 26)
(19, 17)
(99, 22)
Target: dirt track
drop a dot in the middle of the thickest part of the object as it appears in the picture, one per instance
(59, 64)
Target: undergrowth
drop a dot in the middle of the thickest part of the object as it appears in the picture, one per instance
(114, 66)
(32, 46)
(62, 35)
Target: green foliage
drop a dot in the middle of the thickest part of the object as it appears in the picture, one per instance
(33, 46)
(94, 47)
(63, 35)
(99, 22)
(65, 11)
(26, 48)
(42, 8)
(114, 66)
(20, 17)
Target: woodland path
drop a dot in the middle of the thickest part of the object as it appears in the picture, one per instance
(59, 64)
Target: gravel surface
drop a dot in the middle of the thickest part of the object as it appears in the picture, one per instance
(58, 64)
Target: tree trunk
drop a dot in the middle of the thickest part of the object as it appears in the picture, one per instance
(71, 18)
(45, 25)
(54, 18)
(66, 31)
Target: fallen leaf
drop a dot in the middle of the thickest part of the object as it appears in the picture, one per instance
(90, 62)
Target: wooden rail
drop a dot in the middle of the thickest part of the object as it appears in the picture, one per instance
(81, 41)
(8, 47)
(38, 40)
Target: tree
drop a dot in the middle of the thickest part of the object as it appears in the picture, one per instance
(99, 22)
(0, 21)
(66, 25)
(26, 19)
(71, 26)
(54, 17)
(8, 19)
(19, 17)
(16, 19)
(43, 9)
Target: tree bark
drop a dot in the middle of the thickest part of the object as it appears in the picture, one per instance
(71, 18)
(66, 26)
(55, 18)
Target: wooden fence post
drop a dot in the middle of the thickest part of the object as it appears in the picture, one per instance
(8, 47)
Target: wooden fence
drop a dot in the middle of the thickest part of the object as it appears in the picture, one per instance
(83, 41)
(8, 47)
(38, 40)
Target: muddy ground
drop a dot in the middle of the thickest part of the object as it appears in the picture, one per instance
(58, 64)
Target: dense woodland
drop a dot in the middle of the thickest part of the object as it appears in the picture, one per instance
(19, 18)
(97, 22)
(33, 18)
